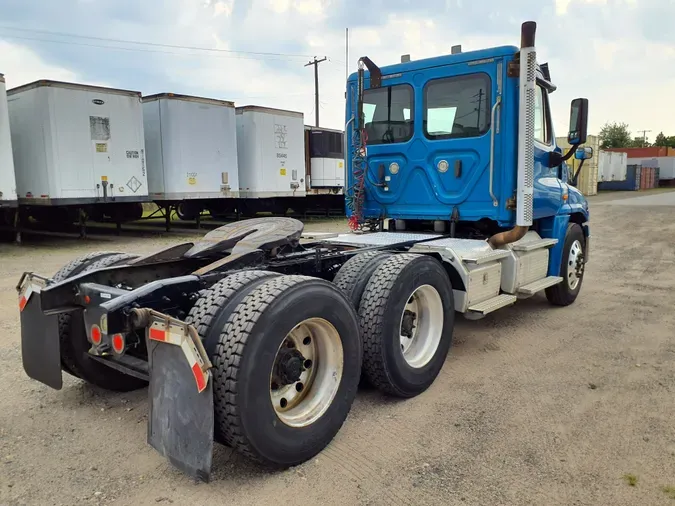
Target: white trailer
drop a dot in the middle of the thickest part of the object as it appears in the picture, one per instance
(7, 178)
(271, 153)
(191, 148)
(324, 169)
(78, 145)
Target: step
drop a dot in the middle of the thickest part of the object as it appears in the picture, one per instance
(539, 285)
(493, 304)
(480, 258)
(533, 245)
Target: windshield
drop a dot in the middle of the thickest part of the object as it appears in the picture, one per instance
(388, 114)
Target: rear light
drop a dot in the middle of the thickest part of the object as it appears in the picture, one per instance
(118, 344)
(95, 334)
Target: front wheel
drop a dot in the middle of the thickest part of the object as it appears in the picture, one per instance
(572, 268)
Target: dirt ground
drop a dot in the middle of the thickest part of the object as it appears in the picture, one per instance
(535, 405)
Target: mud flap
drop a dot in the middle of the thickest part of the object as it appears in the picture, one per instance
(180, 423)
(40, 347)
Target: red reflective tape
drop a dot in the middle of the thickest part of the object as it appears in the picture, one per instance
(199, 377)
(157, 334)
(22, 302)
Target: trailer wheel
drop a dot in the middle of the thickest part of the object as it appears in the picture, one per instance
(187, 211)
(74, 343)
(571, 268)
(354, 275)
(406, 318)
(286, 370)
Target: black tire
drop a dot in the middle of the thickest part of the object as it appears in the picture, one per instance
(562, 294)
(187, 211)
(384, 299)
(354, 275)
(73, 268)
(214, 306)
(74, 343)
(244, 359)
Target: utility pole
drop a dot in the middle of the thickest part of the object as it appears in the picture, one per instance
(316, 62)
(644, 136)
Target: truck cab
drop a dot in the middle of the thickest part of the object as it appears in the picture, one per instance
(463, 143)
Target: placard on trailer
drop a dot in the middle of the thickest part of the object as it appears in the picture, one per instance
(77, 144)
(191, 147)
(7, 178)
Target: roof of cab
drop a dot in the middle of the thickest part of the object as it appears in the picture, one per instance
(447, 59)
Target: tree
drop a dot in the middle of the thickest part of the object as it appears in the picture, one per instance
(615, 135)
(661, 140)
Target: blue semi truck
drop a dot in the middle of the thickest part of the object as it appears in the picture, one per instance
(257, 336)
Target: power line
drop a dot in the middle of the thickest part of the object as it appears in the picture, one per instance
(138, 49)
(153, 44)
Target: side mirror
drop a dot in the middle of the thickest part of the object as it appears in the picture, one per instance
(578, 121)
(584, 153)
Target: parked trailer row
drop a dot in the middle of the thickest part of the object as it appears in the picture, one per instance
(7, 178)
(83, 151)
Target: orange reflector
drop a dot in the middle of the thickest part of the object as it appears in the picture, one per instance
(565, 196)
(118, 343)
(87, 299)
(199, 377)
(95, 334)
(157, 334)
(22, 302)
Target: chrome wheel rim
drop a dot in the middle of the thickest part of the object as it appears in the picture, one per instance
(421, 326)
(307, 372)
(575, 265)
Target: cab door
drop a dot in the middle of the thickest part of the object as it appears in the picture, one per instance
(547, 188)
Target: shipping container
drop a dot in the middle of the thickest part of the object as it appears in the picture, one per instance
(612, 166)
(650, 152)
(666, 165)
(75, 144)
(587, 183)
(271, 152)
(7, 177)
(631, 183)
(191, 147)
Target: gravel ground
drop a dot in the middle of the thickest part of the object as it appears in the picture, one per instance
(535, 405)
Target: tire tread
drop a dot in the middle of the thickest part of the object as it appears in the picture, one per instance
(228, 358)
(371, 320)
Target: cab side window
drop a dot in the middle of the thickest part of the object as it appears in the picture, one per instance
(542, 116)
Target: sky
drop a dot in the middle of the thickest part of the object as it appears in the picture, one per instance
(620, 54)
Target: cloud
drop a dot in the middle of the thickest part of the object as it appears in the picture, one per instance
(21, 66)
(618, 53)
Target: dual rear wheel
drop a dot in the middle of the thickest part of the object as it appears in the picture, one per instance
(406, 317)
